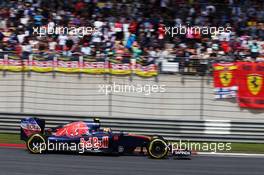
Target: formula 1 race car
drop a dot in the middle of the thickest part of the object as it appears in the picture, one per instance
(88, 137)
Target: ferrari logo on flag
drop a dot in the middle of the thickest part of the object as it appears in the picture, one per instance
(225, 78)
(254, 83)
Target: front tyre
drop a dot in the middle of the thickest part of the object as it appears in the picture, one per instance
(158, 148)
(36, 144)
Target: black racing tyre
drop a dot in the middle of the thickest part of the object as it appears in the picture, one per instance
(158, 148)
(36, 144)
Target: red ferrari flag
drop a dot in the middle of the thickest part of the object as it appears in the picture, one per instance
(225, 82)
(251, 85)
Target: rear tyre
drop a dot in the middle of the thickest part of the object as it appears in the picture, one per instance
(158, 148)
(36, 144)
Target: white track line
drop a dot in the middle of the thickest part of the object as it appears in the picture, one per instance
(231, 154)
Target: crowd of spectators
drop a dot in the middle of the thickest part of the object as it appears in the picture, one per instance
(134, 28)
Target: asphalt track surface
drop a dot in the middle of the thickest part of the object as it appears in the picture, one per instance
(19, 162)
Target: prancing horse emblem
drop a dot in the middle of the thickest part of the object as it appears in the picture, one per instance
(254, 83)
(225, 78)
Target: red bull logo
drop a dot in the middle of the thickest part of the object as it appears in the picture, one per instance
(95, 142)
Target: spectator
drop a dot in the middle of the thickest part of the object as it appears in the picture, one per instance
(254, 49)
(86, 50)
(137, 25)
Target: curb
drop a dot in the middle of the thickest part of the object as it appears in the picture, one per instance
(230, 154)
(13, 145)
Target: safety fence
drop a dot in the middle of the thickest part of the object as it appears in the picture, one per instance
(186, 130)
(186, 109)
(172, 97)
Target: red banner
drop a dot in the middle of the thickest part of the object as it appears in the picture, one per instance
(251, 85)
(224, 75)
(225, 82)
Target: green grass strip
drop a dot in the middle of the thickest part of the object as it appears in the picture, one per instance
(196, 146)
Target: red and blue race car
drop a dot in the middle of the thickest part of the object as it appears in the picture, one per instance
(88, 137)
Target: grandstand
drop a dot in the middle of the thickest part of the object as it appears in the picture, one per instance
(134, 29)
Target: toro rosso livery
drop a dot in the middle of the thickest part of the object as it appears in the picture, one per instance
(88, 136)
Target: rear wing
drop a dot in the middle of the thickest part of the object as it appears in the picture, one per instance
(29, 126)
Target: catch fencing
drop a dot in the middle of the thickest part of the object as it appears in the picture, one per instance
(184, 97)
(186, 109)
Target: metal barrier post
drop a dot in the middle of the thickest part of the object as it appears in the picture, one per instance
(55, 59)
(5, 63)
(80, 65)
(202, 98)
(132, 67)
(110, 100)
(22, 87)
